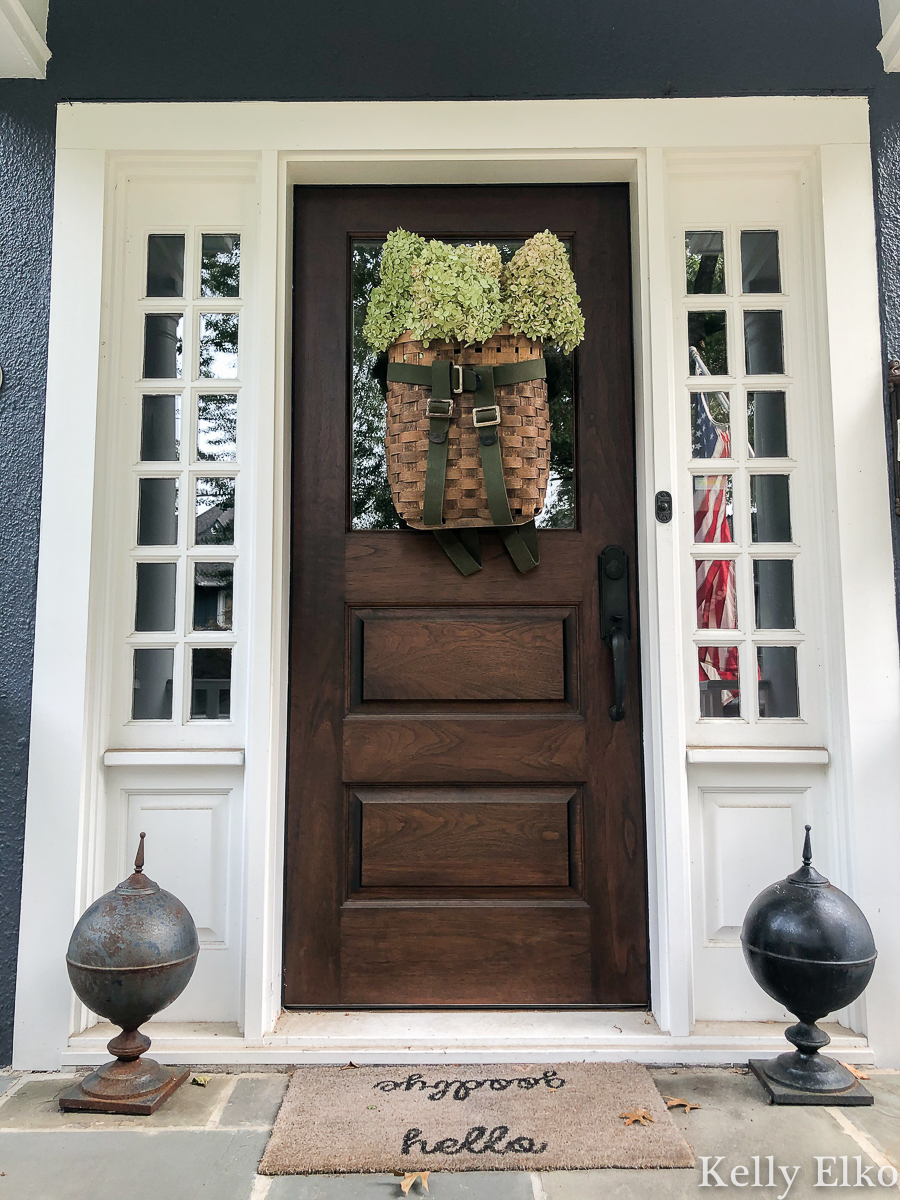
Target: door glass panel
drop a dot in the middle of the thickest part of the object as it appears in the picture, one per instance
(716, 593)
(777, 681)
(211, 683)
(371, 505)
(213, 595)
(710, 425)
(220, 264)
(707, 343)
(152, 685)
(163, 345)
(160, 419)
(759, 261)
(713, 508)
(214, 511)
(767, 424)
(157, 512)
(218, 345)
(770, 508)
(704, 263)
(773, 590)
(165, 264)
(155, 605)
(216, 428)
(720, 689)
(763, 343)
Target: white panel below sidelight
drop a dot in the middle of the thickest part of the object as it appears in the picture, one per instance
(748, 837)
(747, 847)
(192, 849)
(189, 835)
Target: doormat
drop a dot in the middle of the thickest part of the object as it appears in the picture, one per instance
(476, 1118)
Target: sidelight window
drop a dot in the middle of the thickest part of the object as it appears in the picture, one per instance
(186, 478)
(745, 553)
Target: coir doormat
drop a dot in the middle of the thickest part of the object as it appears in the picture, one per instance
(472, 1118)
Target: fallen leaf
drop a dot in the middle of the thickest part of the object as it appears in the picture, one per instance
(410, 1178)
(350, 1066)
(201, 1080)
(678, 1102)
(638, 1115)
(372, 1106)
(855, 1071)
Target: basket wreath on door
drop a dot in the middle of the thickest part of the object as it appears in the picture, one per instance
(468, 422)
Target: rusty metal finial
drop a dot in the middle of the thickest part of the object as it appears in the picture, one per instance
(807, 847)
(139, 857)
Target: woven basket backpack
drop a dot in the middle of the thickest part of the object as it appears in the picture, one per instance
(468, 442)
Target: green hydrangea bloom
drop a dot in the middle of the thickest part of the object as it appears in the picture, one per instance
(454, 298)
(389, 312)
(540, 296)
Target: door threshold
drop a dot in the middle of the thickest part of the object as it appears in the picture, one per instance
(464, 1037)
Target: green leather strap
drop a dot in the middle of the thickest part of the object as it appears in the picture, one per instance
(486, 419)
(462, 548)
(519, 372)
(521, 543)
(505, 374)
(439, 410)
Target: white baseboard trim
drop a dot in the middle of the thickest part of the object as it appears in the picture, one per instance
(463, 1037)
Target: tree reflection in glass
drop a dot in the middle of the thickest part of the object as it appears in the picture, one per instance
(214, 511)
(371, 503)
(218, 345)
(216, 428)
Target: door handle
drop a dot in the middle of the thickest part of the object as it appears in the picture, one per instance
(615, 619)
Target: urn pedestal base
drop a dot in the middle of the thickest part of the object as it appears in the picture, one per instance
(130, 1084)
(781, 1093)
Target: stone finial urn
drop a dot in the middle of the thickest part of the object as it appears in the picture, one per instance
(811, 948)
(131, 954)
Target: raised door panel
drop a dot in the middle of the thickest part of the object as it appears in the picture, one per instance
(466, 838)
(466, 954)
(466, 654)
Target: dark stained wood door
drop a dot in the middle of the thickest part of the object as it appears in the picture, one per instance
(464, 820)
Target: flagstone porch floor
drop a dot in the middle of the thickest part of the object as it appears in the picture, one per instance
(206, 1143)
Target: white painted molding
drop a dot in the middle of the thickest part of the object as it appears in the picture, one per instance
(23, 52)
(774, 755)
(889, 46)
(173, 758)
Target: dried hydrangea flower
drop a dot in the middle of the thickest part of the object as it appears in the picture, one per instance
(389, 312)
(541, 299)
(453, 297)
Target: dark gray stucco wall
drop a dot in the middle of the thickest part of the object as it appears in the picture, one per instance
(351, 50)
(27, 121)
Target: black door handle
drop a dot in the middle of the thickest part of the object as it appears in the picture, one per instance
(615, 619)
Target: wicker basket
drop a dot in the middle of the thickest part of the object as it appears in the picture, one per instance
(524, 435)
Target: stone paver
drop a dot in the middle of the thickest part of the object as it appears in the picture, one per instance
(35, 1106)
(125, 1165)
(734, 1121)
(881, 1122)
(255, 1101)
(461, 1185)
(207, 1141)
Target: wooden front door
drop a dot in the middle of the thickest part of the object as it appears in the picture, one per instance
(464, 819)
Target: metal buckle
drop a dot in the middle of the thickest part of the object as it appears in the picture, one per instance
(480, 423)
(430, 410)
(457, 391)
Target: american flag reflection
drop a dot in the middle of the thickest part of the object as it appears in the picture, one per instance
(716, 597)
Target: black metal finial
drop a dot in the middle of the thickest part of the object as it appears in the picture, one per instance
(807, 847)
(139, 857)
